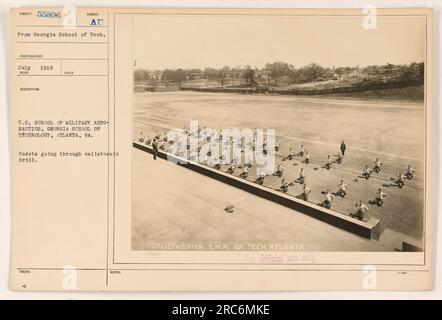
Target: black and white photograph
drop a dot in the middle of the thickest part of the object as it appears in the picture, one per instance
(279, 133)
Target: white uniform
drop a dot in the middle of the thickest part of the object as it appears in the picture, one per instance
(381, 195)
(328, 197)
(361, 207)
(409, 170)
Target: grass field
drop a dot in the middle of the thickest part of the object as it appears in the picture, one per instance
(390, 130)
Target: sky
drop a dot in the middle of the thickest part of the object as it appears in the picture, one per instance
(191, 41)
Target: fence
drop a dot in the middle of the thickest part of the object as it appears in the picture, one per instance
(360, 87)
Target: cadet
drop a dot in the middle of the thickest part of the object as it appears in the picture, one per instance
(302, 176)
(231, 168)
(290, 155)
(367, 172)
(279, 171)
(301, 151)
(155, 148)
(245, 172)
(328, 199)
(307, 158)
(261, 177)
(305, 192)
(285, 186)
(277, 145)
(360, 209)
(342, 189)
(328, 163)
(380, 197)
(400, 180)
(141, 139)
(409, 172)
(377, 165)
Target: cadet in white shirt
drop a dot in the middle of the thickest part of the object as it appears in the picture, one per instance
(307, 158)
(231, 168)
(400, 180)
(279, 171)
(367, 172)
(302, 176)
(305, 192)
(328, 199)
(342, 189)
(261, 177)
(380, 197)
(360, 209)
(301, 151)
(409, 172)
(329, 162)
(285, 186)
(377, 165)
(289, 156)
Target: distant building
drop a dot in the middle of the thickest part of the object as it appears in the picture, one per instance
(193, 76)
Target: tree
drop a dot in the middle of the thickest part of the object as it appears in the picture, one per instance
(167, 75)
(421, 72)
(293, 75)
(388, 69)
(277, 69)
(248, 75)
(152, 82)
(339, 72)
(178, 76)
(141, 75)
(372, 71)
(406, 72)
(347, 71)
(210, 73)
(235, 73)
(313, 71)
(223, 73)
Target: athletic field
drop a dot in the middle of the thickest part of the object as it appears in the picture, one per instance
(392, 131)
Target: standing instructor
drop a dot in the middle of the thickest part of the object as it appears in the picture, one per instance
(343, 147)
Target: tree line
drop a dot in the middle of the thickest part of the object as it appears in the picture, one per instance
(282, 74)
